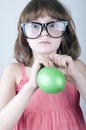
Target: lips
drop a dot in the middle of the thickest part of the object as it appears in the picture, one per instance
(44, 42)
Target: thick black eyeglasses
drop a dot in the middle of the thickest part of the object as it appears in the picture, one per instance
(33, 30)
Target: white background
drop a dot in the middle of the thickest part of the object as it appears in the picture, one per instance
(9, 14)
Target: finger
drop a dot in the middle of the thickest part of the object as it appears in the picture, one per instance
(62, 60)
(50, 63)
(45, 62)
(57, 60)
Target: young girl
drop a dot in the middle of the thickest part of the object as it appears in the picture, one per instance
(46, 36)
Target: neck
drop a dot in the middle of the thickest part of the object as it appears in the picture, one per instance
(36, 55)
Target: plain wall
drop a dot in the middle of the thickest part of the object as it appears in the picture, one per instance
(9, 14)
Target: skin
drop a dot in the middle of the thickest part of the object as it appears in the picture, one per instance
(44, 52)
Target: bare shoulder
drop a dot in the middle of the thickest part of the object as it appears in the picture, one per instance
(9, 71)
(12, 66)
(81, 66)
(9, 74)
(8, 83)
(13, 71)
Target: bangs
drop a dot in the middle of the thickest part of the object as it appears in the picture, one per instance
(42, 12)
(37, 8)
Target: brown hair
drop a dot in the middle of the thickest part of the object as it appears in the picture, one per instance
(55, 9)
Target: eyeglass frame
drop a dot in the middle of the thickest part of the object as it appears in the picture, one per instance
(43, 26)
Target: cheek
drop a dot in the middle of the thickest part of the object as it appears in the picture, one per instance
(30, 43)
(31, 46)
(57, 42)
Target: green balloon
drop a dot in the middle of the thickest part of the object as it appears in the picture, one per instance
(51, 80)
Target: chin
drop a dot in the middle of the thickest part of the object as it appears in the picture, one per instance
(45, 52)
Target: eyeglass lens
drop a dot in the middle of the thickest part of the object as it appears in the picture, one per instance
(54, 29)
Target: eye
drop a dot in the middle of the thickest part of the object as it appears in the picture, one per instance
(34, 25)
(52, 25)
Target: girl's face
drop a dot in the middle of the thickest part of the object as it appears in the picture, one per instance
(44, 44)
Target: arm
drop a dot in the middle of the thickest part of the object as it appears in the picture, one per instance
(80, 78)
(11, 107)
(75, 71)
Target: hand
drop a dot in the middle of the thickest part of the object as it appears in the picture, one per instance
(65, 64)
(41, 61)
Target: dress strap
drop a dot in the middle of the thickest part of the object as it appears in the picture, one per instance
(24, 76)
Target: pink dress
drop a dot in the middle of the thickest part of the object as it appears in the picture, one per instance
(44, 111)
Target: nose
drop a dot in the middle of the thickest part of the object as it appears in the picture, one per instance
(44, 30)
